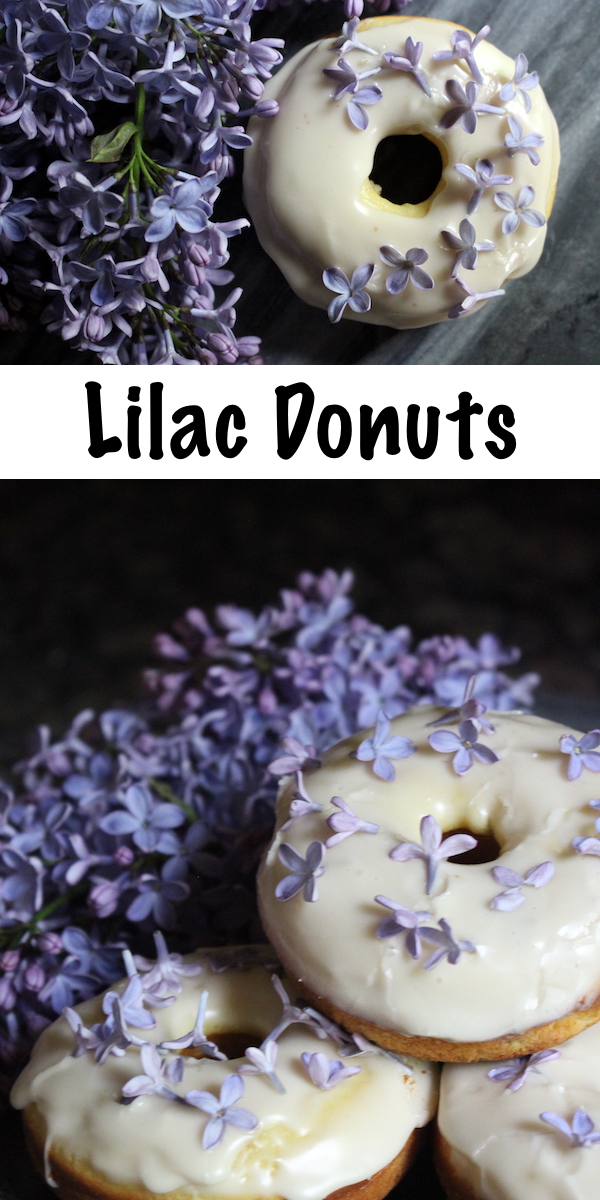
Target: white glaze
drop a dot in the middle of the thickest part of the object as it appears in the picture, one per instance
(498, 1144)
(308, 1143)
(305, 173)
(532, 966)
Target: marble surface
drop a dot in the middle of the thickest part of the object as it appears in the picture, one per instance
(550, 316)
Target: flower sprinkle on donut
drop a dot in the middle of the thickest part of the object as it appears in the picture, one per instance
(446, 103)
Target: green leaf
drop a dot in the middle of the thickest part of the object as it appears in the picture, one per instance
(108, 147)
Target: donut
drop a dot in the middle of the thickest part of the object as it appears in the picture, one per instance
(531, 1127)
(408, 174)
(480, 947)
(295, 1110)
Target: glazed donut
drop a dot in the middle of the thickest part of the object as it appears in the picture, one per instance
(108, 1116)
(464, 194)
(503, 1138)
(510, 941)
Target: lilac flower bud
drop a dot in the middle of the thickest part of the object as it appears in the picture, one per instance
(95, 327)
(103, 898)
(198, 254)
(49, 943)
(353, 8)
(266, 108)
(10, 960)
(8, 996)
(34, 977)
(123, 856)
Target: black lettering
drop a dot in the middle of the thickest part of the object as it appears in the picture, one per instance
(500, 413)
(133, 423)
(370, 430)
(195, 429)
(288, 441)
(463, 415)
(334, 410)
(412, 430)
(232, 413)
(99, 445)
(156, 450)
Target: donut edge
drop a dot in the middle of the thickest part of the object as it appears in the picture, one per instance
(74, 1180)
(454, 1187)
(510, 1045)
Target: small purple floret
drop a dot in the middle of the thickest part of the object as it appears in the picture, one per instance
(324, 1073)
(346, 822)
(408, 267)
(351, 291)
(463, 745)
(582, 753)
(513, 898)
(380, 748)
(580, 1132)
(222, 1111)
(305, 871)
(482, 175)
(466, 106)
(433, 850)
(515, 1073)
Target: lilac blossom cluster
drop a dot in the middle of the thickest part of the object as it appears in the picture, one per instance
(119, 122)
(131, 823)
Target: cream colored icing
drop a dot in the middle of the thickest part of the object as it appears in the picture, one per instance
(498, 1143)
(308, 1142)
(531, 966)
(306, 174)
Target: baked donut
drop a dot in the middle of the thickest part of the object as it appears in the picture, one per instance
(408, 173)
(531, 1129)
(482, 956)
(109, 1116)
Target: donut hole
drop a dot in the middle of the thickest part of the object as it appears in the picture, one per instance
(407, 168)
(486, 850)
(232, 1042)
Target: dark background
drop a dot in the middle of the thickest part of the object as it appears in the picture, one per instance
(89, 571)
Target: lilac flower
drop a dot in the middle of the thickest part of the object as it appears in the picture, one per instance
(262, 1062)
(433, 850)
(61, 41)
(157, 1076)
(305, 872)
(466, 107)
(300, 804)
(448, 946)
(513, 898)
(348, 80)
(482, 175)
(296, 758)
(223, 1111)
(582, 753)
(351, 291)
(469, 710)
(463, 48)
(13, 226)
(521, 83)
(184, 206)
(131, 1004)
(145, 820)
(346, 822)
(409, 62)
(110, 1037)
(464, 745)
(168, 969)
(150, 13)
(407, 267)
(349, 41)
(466, 247)
(579, 1133)
(196, 1037)
(528, 144)
(402, 920)
(94, 202)
(471, 299)
(157, 897)
(515, 1073)
(293, 1015)
(23, 886)
(381, 748)
(324, 1073)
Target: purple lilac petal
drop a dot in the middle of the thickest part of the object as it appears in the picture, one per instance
(433, 850)
(515, 1073)
(380, 748)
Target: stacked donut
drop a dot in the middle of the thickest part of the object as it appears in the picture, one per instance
(435, 887)
(433, 890)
